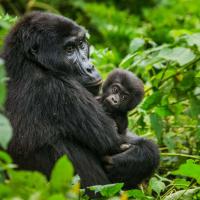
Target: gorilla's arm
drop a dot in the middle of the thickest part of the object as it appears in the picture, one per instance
(71, 113)
(135, 164)
(91, 127)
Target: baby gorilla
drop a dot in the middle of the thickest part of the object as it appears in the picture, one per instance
(122, 91)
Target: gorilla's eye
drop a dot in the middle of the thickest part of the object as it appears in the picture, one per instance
(70, 49)
(81, 44)
(115, 90)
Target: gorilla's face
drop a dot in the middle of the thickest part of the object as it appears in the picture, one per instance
(59, 45)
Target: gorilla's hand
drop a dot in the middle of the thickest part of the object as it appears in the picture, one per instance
(134, 164)
(116, 160)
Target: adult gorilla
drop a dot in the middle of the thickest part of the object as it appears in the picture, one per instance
(52, 112)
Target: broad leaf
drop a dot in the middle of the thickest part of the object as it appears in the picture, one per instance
(136, 44)
(183, 194)
(181, 183)
(62, 174)
(2, 84)
(157, 125)
(137, 194)
(25, 183)
(127, 61)
(152, 100)
(193, 39)
(157, 185)
(5, 131)
(107, 190)
(180, 55)
(57, 197)
(189, 169)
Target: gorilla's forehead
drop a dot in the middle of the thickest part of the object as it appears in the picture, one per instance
(55, 23)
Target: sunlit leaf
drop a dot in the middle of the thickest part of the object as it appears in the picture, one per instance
(181, 183)
(136, 44)
(57, 197)
(137, 194)
(127, 61)
(62, 174)
(180, 55)
(163, 111)
(183, 194)
(157, 185)
(5, 131)
(193, 39)
(152, 100)
(157, 125)
(189, 169)
(107, 190)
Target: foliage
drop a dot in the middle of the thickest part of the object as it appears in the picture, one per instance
(162, 46)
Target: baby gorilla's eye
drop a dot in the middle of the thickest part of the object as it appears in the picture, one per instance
(115, 90)
(124, 97)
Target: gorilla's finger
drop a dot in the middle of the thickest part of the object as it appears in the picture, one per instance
(108, 167)
(108, 160)
(124, 156)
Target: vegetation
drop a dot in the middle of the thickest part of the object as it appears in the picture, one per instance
(159, 40)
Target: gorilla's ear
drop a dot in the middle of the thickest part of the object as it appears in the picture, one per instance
(33, 51)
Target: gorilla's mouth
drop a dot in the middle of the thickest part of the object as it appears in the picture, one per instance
(94, 87)
(94, 83)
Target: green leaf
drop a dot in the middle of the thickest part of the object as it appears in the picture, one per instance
(25, 183)
(152, 100)
(5, 191)
(137, 194)
(157, 185)
(5, 131)
(180, 55)
(189, 169)
(126, 62)
(193, 39)
(163, 111)
(2, 93)
(183, 194)
(136, 44)
(5, 157)
(187, 82)
(61, 175)
(181, 183)
(57, 197)
(107, 190)
(194, 107)
(157, 125)
(169, 140)
(2, 83)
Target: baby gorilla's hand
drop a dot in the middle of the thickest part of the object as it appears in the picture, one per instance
(124, 147)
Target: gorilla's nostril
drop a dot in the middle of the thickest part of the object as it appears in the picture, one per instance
(89, 70)
(114, 100)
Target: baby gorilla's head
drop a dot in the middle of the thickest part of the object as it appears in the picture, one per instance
(122, 91)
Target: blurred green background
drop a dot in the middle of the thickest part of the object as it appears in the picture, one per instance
(159, 40)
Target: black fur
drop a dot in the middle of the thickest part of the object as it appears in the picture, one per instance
(135, 164)
(50, 110)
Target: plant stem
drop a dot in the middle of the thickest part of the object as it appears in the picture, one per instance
(181, 155)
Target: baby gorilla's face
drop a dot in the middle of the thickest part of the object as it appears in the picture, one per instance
(117, 97)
